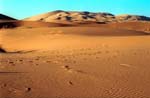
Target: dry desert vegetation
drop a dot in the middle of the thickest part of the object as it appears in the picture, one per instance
(65, 55)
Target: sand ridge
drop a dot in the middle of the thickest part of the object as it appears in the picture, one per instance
(24, 40)
(76, 16)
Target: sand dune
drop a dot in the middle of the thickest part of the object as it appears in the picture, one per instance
(6, 18)
(76, 16)
(28, 39)
(72, 16)
(132, 18)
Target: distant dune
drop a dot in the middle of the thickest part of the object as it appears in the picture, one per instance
(5, 18)
(76, 16)
(131, 18)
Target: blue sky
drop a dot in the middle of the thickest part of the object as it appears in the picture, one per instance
(24, 8)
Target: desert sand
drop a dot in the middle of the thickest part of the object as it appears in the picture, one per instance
(60, 16)
(60, 62)
(53, 60)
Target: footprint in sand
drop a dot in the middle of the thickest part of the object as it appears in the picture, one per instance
(48, 61)
(28, 89)
(11, 63)
(70, 83)
(72, 70)
(3, 85)
(99, 52)
(21, 60)
(31, 61)
(36, 64)
(67, 68)
(37, 59)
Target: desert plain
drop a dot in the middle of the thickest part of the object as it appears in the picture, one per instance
(89, 60)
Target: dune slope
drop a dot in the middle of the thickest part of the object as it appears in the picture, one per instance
(60, 16)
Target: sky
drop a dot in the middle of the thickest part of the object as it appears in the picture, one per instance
(25, 8)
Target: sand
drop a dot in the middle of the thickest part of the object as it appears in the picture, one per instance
(60, 16)
(74, 62)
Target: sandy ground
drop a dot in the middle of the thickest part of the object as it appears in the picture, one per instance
(55, 63)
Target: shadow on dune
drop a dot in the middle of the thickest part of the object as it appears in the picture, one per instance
(30, 24)
(6, 25)
(2, 50)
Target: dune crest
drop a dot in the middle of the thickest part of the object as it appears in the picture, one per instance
(6, 18)
(76, 16)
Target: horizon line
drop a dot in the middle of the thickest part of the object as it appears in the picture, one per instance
(73, 11)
